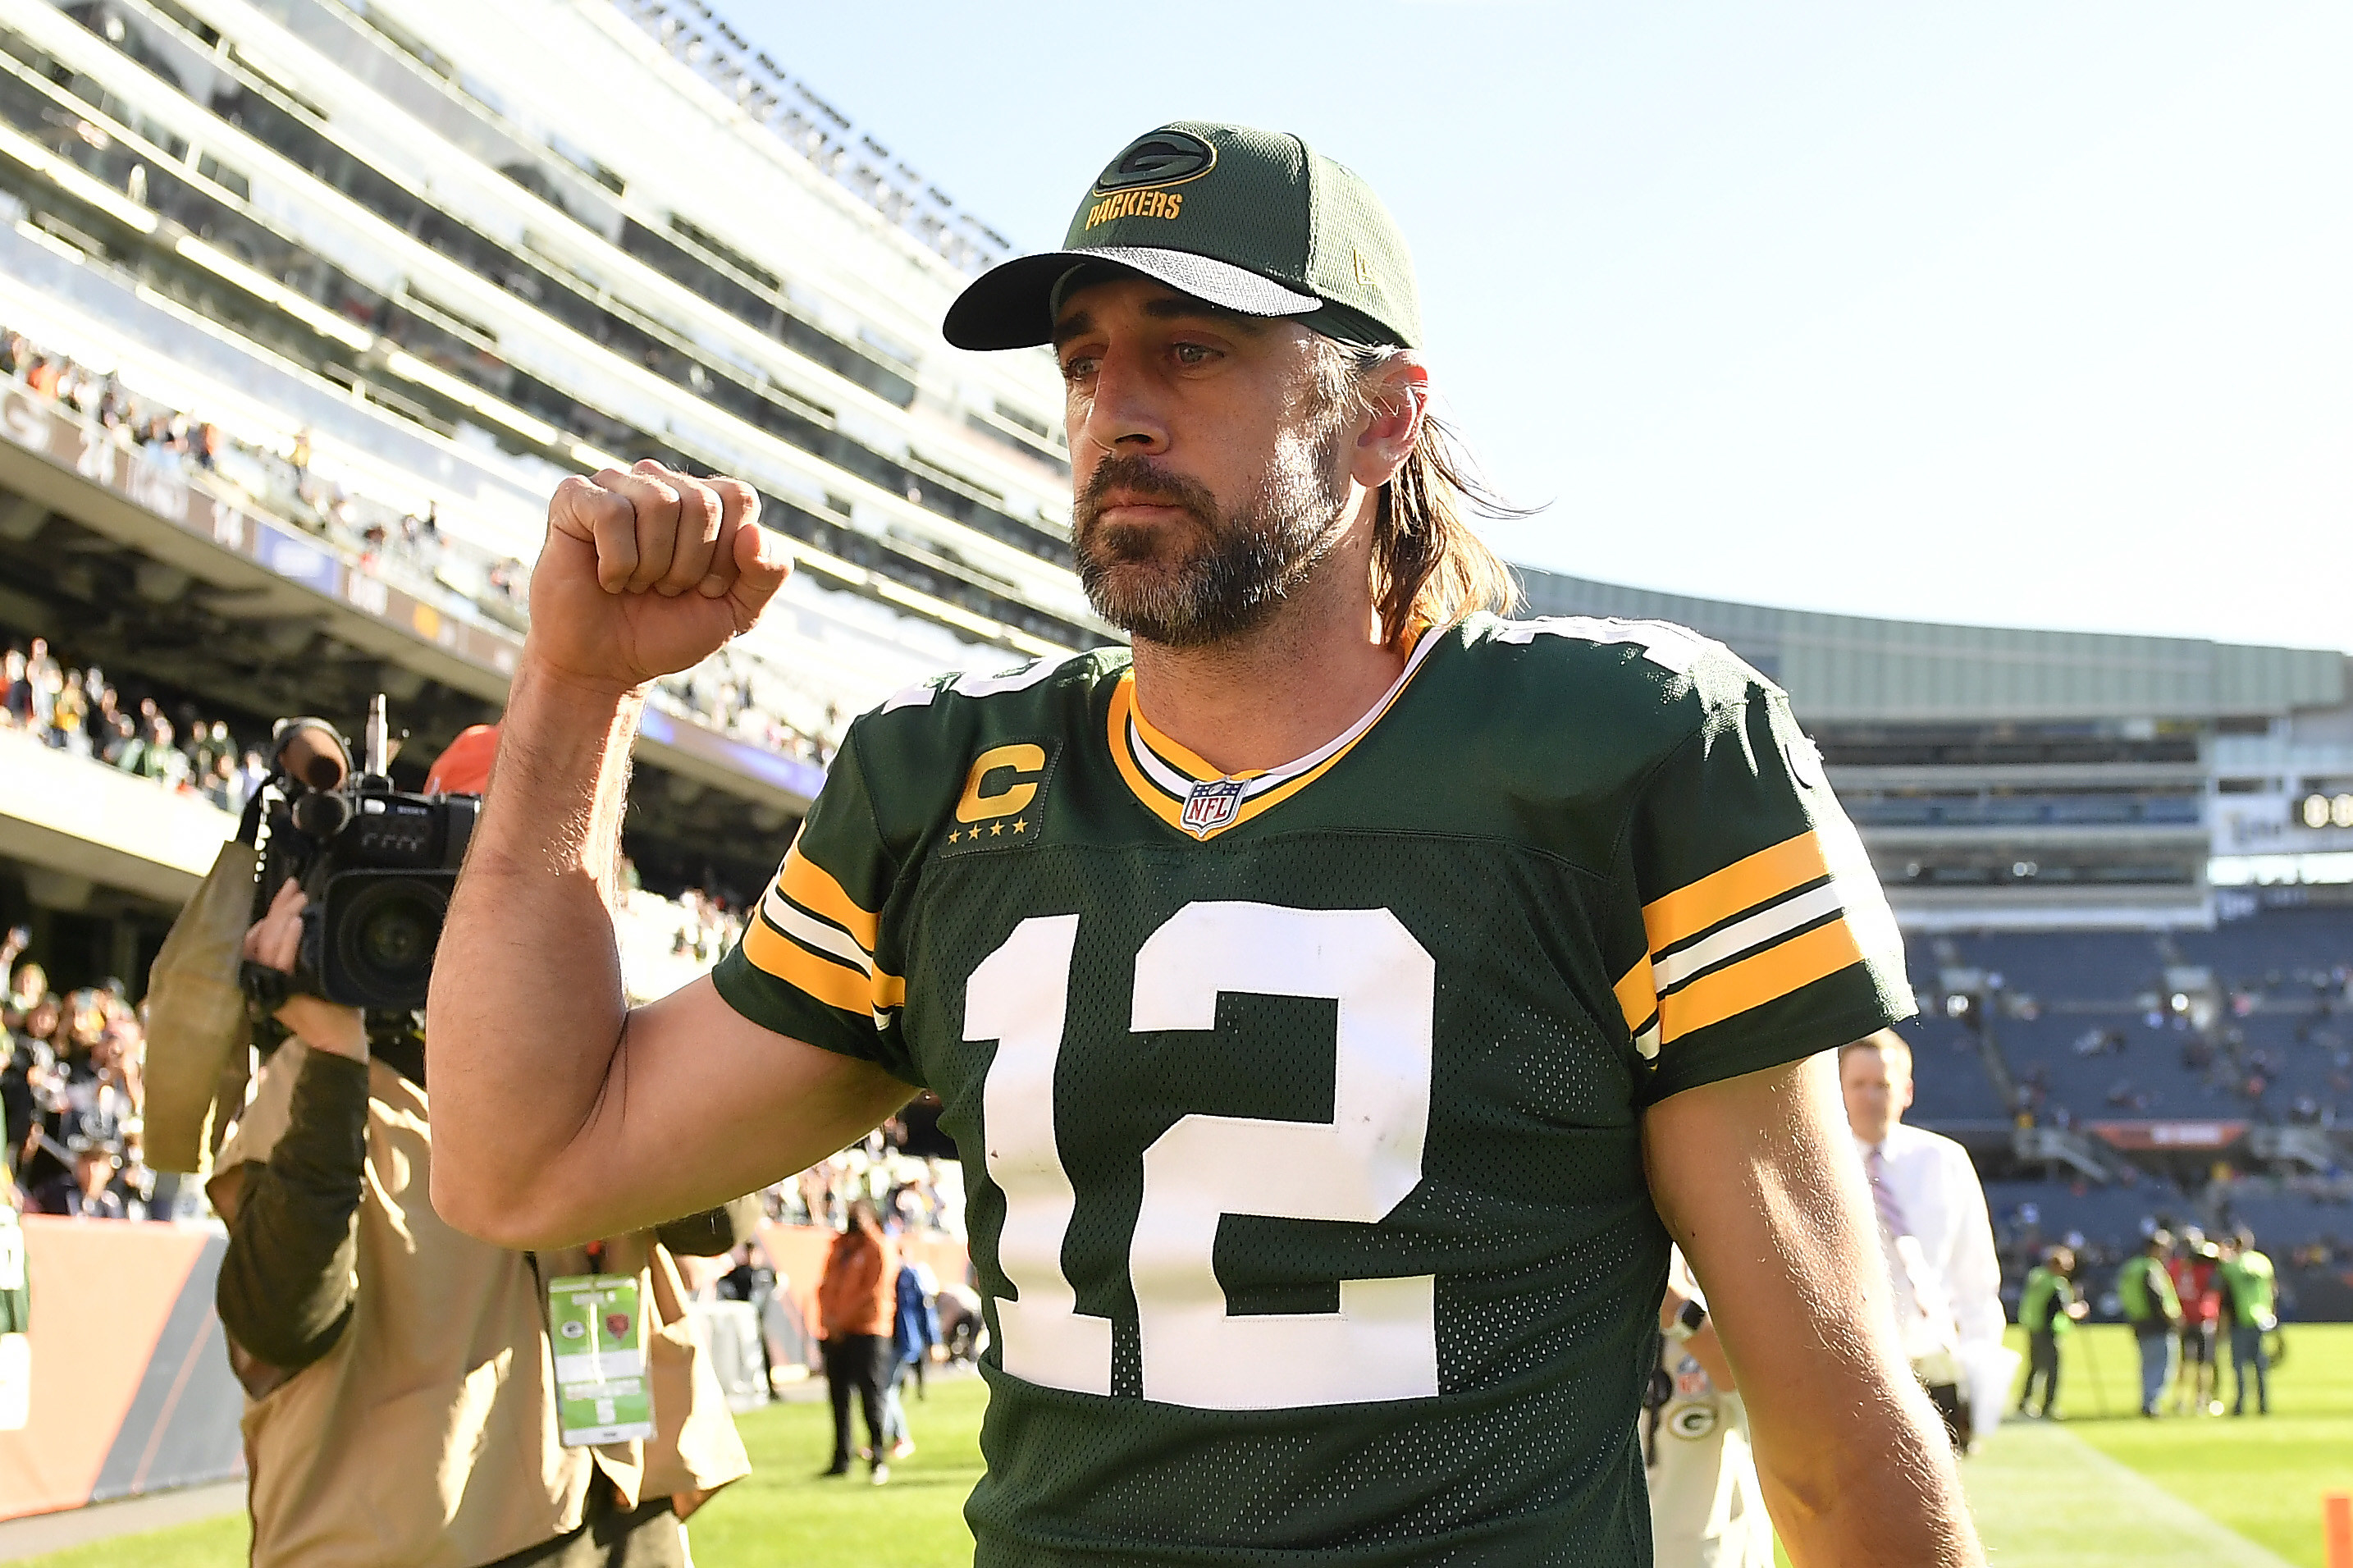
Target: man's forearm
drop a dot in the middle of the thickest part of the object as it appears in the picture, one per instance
(1758, 1180)
(527, 1006)
(285, 1282)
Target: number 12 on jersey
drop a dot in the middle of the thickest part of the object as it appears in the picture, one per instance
(1382, 1344)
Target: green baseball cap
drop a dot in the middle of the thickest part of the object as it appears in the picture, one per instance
(1252, 220)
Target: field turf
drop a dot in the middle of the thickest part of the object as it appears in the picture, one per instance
(2112, 1491)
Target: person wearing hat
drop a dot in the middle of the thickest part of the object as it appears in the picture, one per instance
(2150, 1306)
(2047, 1309)
(2195, 1271)
(402, 1405)
(1341, 995)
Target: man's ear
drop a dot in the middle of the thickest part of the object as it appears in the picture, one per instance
(1398, 397)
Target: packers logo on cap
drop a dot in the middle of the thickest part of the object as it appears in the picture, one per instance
(1157, 158)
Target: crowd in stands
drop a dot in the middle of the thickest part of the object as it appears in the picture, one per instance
(409, 547)
(77, 708)
(731, 693)
(911, 1192)
(71, 1096)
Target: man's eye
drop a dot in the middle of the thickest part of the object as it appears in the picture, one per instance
(1078, 367)
(1194, 354)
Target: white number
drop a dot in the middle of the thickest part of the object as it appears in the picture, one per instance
(1016, 998)
(1382, 1343)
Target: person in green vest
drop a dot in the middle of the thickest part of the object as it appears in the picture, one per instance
(2250, 1296)
(2048, 1309)
(2153, 1311)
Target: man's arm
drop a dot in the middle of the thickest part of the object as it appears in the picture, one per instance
(1756, 1180)
(287, 1281)
(558, 1113)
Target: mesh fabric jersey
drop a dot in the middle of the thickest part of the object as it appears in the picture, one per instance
(1301, 1110)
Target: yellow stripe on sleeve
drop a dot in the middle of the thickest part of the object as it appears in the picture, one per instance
(1753, 982)
(812, 887)
(834, 985)
(1742, 886)
(1638, 994)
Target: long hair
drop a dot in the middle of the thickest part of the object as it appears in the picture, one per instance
(1429, 568)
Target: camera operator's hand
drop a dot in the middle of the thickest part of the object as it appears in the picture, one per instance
(275, 940)
(647, 572)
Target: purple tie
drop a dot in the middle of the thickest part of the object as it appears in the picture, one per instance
(1883, 1196)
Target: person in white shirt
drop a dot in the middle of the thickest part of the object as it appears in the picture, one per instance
(1707, 1507)
(1938, 1238)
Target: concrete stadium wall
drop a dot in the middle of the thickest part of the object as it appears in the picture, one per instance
(131, 1390)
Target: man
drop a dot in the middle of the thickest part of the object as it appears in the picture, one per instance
(1331, 998)
(86, 1192)
(2146, 1290)
(402, 1400)
(2047, 1309)
(2250, 1298)
(1707, 1510)
(854, 1300)
(2198, 1378)
(1934, 1229)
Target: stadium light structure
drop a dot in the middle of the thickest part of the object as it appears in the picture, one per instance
(77, 181)
(408, 366)
(262, 286)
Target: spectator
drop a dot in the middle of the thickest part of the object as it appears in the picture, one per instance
(855, 1298)
(87, 1190)
(1707, 1506)
(2197, 1288)
(32, 1057)
(750, 1281)
(2151, 1307)
(914, 1330)
(2249, 1291)
(15, 691)
(2049, 1308)
(1935, 1232)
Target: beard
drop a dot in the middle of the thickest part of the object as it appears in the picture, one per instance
(1211, 575)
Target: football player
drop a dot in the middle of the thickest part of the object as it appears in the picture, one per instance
(1339, 998)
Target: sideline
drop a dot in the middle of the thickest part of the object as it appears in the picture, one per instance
(2043, 1497)
(37, 1534)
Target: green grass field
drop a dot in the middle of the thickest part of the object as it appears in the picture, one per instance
(2094, 1492)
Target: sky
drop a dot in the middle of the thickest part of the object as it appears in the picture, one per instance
(2007, 314)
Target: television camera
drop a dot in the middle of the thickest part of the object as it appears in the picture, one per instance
(375, 864)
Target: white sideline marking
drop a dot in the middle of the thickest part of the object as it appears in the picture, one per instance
(2030, 1476)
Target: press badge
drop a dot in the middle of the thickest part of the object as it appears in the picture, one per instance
(602, 1394)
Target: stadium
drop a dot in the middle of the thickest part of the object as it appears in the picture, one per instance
(306, 307)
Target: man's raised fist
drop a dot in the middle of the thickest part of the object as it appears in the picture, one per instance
(649, 572)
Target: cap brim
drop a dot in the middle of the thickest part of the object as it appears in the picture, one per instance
(1011, 305)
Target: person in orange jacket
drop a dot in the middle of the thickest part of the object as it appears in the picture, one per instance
(855, 1298)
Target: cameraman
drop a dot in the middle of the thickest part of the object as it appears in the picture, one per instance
(401, 1404)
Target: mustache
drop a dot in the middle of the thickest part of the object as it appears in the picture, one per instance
(1140, 478)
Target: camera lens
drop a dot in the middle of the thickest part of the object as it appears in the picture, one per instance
(387, 934)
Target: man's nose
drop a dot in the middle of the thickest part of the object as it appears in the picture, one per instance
(1128, 416)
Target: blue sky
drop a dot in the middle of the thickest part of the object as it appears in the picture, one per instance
(2030, 314)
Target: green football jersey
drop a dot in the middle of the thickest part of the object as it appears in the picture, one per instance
(1301, 1109)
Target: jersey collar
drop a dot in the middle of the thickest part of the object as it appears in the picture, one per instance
(1180, 789)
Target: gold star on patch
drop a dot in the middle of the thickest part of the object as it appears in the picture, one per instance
(995, 829)
(1020, 825)
(953, 835)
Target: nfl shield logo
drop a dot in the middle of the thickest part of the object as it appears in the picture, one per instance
(1212, 804)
